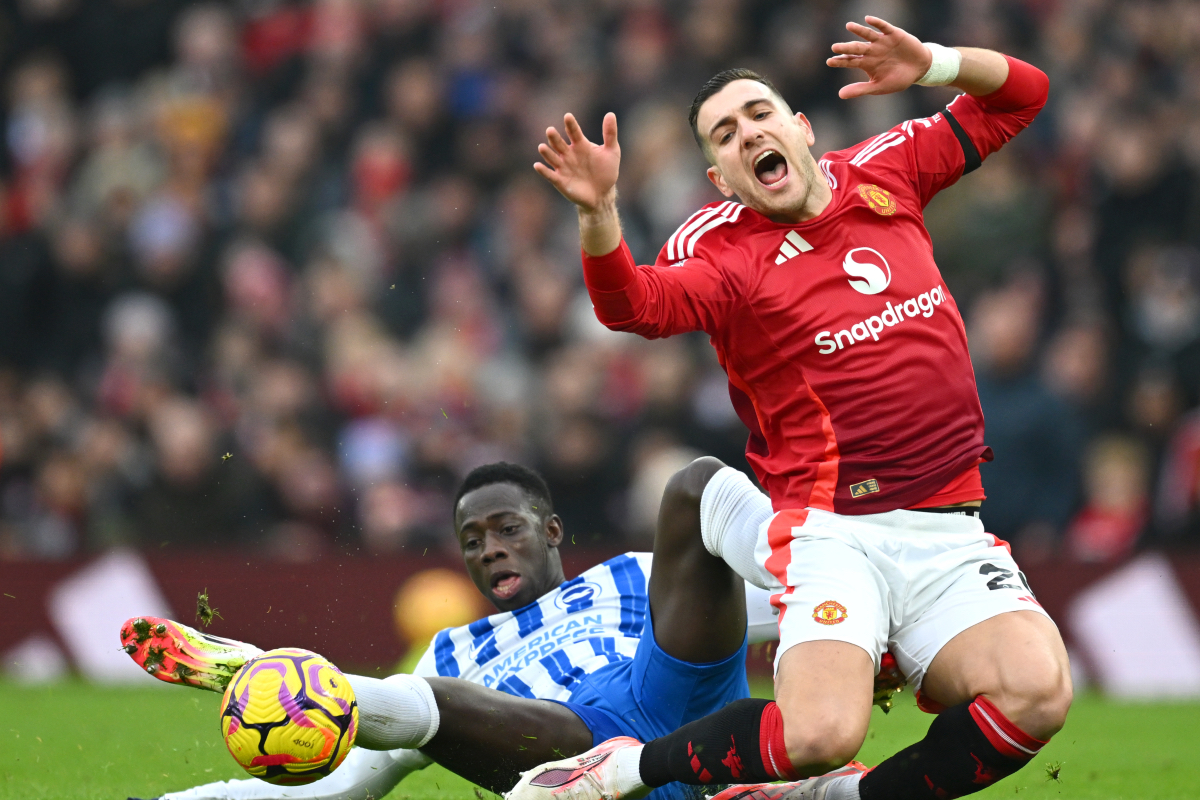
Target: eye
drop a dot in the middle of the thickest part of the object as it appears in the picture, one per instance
(761, 114)
(725, 137)
(509, 528)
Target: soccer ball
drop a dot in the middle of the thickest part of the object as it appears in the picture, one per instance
(289, 717)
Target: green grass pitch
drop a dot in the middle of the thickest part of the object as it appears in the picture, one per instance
(71, 741)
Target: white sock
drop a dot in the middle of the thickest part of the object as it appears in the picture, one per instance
(731, 511)
(843, 788)
(629, 776)
(399, 711)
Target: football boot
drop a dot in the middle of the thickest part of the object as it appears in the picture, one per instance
(175, 653)
(592, 775)
(889, 681)
(807, 789)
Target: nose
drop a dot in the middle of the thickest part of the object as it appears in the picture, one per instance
(493, 549)
(751, 135)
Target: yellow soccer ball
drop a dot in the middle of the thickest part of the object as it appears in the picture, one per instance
(289, 717)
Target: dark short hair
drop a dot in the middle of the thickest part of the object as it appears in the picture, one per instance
(718, 82)
(530, 482)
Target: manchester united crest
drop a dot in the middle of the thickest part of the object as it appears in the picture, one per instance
(830, 612)
(879, 200)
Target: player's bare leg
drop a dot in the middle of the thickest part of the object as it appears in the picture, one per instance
(823, 690)
(1006, 686)
(489, 737)
(1018, 661)
(697, 601)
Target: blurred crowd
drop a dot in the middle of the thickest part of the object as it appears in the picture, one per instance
(277, 274)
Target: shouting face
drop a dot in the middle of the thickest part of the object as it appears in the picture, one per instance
(759, 152)
(511, 550)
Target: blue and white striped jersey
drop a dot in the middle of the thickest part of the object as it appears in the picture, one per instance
(544, 648)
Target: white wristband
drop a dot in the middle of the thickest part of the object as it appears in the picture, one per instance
(944, 69)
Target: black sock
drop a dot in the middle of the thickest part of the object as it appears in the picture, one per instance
(727, 746)
(968, 748)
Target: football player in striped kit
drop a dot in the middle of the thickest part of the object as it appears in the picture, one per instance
(632, 647)
(847, 360)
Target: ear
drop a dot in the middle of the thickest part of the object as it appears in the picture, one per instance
(809, 137)
(554, 530)
(718, 180)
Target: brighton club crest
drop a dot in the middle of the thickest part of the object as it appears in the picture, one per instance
(879, 200)
(830, 612)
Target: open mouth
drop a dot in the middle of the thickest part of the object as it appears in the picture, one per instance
(505, 584)
(770, 168)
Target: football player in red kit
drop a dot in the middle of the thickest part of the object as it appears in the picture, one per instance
(847, 360)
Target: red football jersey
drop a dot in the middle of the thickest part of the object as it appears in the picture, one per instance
(846, 355)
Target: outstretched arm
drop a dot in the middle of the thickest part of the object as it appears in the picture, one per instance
(895, 59)
(1002, 96)
(626, 297)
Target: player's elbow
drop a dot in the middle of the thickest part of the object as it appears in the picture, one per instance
(1041, 91)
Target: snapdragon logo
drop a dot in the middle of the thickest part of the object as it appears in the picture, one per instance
(875, 276)
(922, 305)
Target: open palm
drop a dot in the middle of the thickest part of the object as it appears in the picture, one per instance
(583, 172)
(892, 58)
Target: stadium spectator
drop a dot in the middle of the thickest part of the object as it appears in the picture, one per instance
(1031, 484)
(1116, 502)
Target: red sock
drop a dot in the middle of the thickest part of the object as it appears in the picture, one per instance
(771, 745)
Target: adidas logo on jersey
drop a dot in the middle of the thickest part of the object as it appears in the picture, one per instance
(793, 245)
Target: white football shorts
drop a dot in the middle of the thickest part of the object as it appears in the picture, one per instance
(904, 581)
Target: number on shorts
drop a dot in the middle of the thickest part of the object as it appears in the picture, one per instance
(1025, 581)
(998, 581)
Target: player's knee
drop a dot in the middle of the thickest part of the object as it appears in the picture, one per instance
(1050, 699)
(817, 748)
(687, 485)
(1039, 703)
(682, 495)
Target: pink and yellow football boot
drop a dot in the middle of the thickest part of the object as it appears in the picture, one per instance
(175, 653)
(807, 789)
(592, 775)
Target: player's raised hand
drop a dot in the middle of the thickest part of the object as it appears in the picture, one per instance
(583, 172)
(892, 58)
